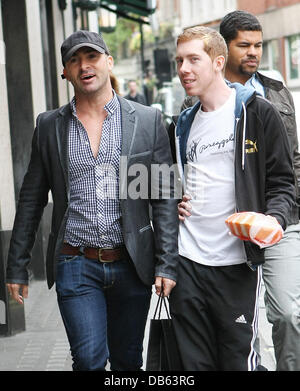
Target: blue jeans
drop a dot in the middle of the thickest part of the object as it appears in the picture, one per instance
(104, 307)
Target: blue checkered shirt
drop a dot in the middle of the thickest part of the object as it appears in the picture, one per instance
(94, 212)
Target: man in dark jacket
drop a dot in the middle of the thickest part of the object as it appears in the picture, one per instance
(281, 271)
(133, 93)
(227, 147)
(103, 253)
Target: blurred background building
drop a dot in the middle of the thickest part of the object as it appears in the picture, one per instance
(280, 20)
(141, 35)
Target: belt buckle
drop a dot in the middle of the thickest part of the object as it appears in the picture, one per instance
(100, 255)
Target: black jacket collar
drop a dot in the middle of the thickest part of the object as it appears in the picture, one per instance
(269, 83)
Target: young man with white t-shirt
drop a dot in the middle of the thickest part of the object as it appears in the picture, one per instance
(228, 149)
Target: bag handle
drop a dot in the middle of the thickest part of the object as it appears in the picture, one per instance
(161, 299)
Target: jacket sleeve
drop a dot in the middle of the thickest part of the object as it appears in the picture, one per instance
(280, 185)
(164, 207)
(32, 200)
(293, 135)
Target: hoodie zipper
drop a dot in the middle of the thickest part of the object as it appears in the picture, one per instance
(244, 137)
(178, 159)
(243, 144)
(235, 143)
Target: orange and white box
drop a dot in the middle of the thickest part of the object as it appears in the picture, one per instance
(258, 228)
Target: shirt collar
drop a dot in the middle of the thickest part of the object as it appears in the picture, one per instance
(110, 106)
(256, 84)
(73, 106)
(113, 104)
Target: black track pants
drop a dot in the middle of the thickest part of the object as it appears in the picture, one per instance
(215, 314)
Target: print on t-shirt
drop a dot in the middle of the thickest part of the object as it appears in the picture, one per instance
(196, 147)
(209, 180)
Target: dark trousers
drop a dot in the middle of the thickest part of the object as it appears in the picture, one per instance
(104, 307)
(215, 315)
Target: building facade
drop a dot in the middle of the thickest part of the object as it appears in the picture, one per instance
(281, 26)
(31, 32)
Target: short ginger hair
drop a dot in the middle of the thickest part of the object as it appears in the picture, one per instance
(214, 43)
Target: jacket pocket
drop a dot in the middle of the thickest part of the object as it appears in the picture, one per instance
(284, 108)
(140, 158)
(141, 230)
(287, 115)
(141, 154)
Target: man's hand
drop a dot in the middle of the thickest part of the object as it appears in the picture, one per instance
(18, 292)
(184, 207)
(166, 283)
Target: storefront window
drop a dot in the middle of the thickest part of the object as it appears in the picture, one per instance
(264, 62)
(270, 57)
(293, 45)
(274, 49)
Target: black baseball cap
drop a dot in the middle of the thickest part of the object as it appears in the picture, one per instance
(80, 39)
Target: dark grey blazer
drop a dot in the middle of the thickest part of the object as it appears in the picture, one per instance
(144, 140)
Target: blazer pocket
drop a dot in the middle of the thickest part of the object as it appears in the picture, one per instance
(149, 226)
(143, 157)
(141, 154)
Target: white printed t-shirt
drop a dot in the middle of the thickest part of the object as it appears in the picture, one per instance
(204, 236)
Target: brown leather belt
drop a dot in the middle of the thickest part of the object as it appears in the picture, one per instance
(99, 254)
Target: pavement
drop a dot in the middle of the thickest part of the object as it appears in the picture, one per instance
(44, 345)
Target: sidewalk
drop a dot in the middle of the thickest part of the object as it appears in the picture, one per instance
(44, 345)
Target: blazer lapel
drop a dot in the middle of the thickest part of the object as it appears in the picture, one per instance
(62, 132)
(129, 125)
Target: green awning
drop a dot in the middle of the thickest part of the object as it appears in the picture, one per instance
(137, 10)
(138, 7)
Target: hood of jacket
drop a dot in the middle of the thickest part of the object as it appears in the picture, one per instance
(185, 120)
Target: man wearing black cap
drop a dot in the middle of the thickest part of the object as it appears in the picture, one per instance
(101, 252)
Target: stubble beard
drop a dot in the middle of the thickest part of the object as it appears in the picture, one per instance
(244, 72)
